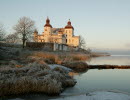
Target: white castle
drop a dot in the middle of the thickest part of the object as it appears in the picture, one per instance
(57, 35)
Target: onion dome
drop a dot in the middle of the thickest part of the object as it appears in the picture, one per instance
(48, 23)
(69, 26)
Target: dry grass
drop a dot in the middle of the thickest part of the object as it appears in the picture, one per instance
(29, 56)
(33, 77)
(78, 57)
(48, 57)
(55, 58)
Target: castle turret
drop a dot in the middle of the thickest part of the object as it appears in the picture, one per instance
(47, 27)
(69, 31)
(69, 26)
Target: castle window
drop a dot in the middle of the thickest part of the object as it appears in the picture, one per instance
(66, 31)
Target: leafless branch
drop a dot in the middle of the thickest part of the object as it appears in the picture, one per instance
(12, 38)
(24, 29)
(82, 42)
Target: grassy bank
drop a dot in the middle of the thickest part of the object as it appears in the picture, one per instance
(57, 57)
(27, 71)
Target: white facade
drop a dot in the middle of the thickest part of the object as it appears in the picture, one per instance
(57, 35)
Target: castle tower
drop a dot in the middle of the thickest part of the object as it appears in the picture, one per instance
(69, 31)
(47, 27)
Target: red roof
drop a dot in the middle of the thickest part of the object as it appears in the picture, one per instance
(48, 23)
(69, 26)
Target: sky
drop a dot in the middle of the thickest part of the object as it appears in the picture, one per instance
(104, 24)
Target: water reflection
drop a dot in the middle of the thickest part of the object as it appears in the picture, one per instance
(94, 79)
(73, 73)
(76, 73)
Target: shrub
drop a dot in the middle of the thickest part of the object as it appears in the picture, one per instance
(77, 66)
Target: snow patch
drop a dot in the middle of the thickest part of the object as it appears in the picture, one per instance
(98, 95)
(52, 66)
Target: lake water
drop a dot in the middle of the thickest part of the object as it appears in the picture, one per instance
(111, 60)
(106, 79)
(94, 79)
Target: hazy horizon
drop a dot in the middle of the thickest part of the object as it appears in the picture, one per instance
(105, 24)
(112, 51)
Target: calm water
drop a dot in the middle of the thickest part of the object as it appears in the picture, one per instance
(106, 79)
(111, 60)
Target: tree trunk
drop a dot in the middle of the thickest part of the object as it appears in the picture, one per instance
(23, 43)
(24, 39)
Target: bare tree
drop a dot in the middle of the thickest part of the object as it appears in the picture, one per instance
(12, 38)
(82, 43)
(2, 32)
(24, 29)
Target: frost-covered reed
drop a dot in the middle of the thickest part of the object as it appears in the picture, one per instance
(33, 77)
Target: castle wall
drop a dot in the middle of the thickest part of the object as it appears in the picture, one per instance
(75, 40)
(43, 46)
(49, 46)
